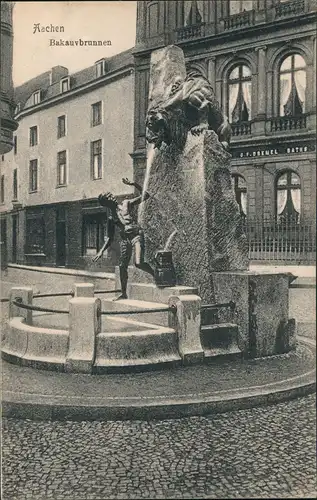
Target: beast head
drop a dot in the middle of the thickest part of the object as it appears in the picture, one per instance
(157, 129)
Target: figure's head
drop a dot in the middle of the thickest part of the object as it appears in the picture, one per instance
(108, 200)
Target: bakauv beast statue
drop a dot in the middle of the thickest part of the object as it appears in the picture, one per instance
(192, 103)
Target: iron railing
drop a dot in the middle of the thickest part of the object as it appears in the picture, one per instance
(287, 240)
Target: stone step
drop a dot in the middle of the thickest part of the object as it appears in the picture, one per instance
(151, 293)
(223, 353)
(221, 339)
(125, 305)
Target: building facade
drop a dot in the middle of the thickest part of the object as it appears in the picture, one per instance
(74, 141)
(260, 57)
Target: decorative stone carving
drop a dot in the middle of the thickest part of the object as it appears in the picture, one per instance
(188, 104)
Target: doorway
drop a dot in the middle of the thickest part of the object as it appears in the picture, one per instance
(60, 237)
(15, 227)
(3, 244)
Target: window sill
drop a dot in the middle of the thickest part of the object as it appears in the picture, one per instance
(97, 178)
(60, 186)
(61, 137)
(96, 124)
(35, 255)
(34, 191)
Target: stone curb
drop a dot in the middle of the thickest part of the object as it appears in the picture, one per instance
(27, 406)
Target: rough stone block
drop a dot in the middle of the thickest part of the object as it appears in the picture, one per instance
(84, 325)
(167, 64)
(25, 295)
(191, 191)
(261, 308)
(186, 322)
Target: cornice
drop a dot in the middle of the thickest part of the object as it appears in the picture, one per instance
(88, 87)
(232, 35)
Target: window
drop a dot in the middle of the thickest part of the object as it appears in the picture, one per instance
(17, 108)
(65, 84)
(15, 144)
(36, 97)
(96, 159)
(15, 184)
(292, 86)
(237, 6)
(35, 230)
(61, 168)
(240, 191)
(61, 126)
(288, 197)
(2, 189)
(94, 230)
(100, 68)
(193, 12)
(96, 110)
(33, 176)
(239, 92)
(33, 136)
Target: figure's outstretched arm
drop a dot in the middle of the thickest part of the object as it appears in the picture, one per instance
(138, 199)
(108, 240)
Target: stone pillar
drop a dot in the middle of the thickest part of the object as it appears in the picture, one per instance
(186, 321)
(83, 289)
(211, 72)
(314, 82)
(259, 93)
(84, 325)
(25, 296)
(261, 112)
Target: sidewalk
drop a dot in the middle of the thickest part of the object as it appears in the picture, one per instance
(304, 273)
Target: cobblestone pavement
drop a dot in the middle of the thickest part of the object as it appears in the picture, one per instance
(266, 452)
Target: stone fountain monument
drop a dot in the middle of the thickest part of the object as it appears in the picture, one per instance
(203, 303)
(194, 237)
(192, 213)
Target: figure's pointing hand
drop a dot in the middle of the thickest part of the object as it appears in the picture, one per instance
(125, 180)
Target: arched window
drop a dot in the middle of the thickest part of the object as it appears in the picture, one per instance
(237, 6)
(239, 93)
(240, 191)
(288, 197)
(292, 86)
(193, 12)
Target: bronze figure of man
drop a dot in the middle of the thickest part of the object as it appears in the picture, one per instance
(131, 235)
